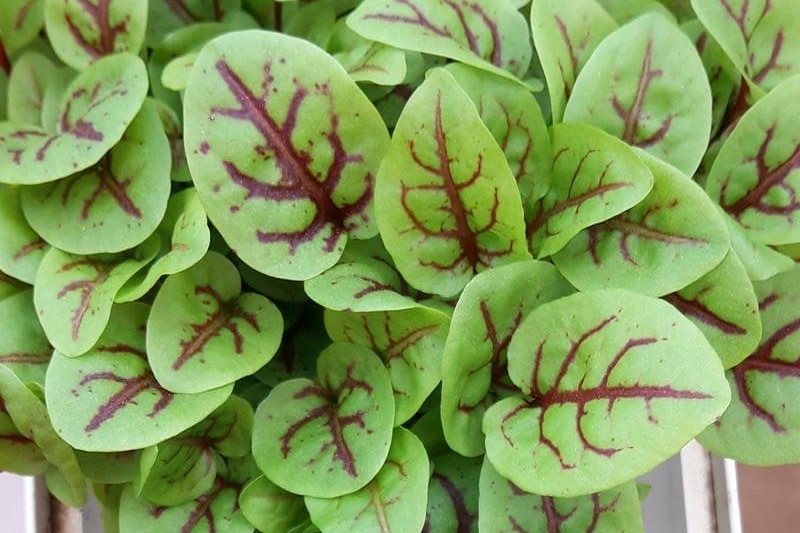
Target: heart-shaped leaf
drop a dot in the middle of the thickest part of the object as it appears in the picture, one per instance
(108, 400)
(474, 374)
(488, 34)
(95, 111)
(447, 202)
(23, 347)
(203, 332)
(284, 188)
(659, 99)
(327, 438)
(608, 393)
(394, 500)
(21, 248)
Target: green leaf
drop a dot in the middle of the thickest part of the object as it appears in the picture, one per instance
(330, 437)
(20, 22)
(614, 383)
(285, 188)
(23, 347)
(83, 31)
(109, 468)
(95, 111)
(18, 454)
(594, 177)
(760, 261)
(270, 508)
(178, 474)
(453, 494)
(566, 35)
(26, 85)
(627, 10)
(447, 203)
(474, 374)
(487, 34)
(367, 60)
(108, 400)
(166, 16)
(645, 83)
(21, 248)
(203, 332)
(393, 501)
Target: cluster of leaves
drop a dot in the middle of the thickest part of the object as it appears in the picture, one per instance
(394, 265)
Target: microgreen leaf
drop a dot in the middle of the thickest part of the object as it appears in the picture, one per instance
(20, 22)
(165, 16)
(453, 494)
(302, 186)
(21, 248)
(18, 454)
(23, 347)
(26, 86)
(367, 60)
(269, 507)
(626, 10)
(602, 373)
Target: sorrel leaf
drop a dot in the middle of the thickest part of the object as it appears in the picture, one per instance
(474, 374)
(654, 248)
(490, 35)
(284, 188)
(760, 261)
(203, 332)
(761, 426)
(166, 16)
(26, 86)
(602, 374)
(393, 501)
(21, 248)
(330, 437)
(593, 178)
(108, 400)
(23, 346)
(74, 294)
(645, 83)
(20, 22)
(447, 203)
(626, 10)
(366, 60)
(83, 31)
(95, 111)
(565, 35)
(506, 507)
(723, 305)
(410, 342)
(269, 507)
(175, 474)
(754, 177)
(18, 454)
(111, 206)
(453, 494)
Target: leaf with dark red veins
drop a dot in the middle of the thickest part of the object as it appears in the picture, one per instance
(21, 248)
(83, 31)
(504, 507)
(18, 454)
(565, 35)
(760, 261)
(761, 426)
(20, 22)
(109, 468)
(487, 34)
(761, 37)
(95, 111)
(657, 247)
(516, 122)
(108, 399)
(166, 16)
(73, 294)
(113, 205)
(723, 305)
(285, 187)
(392, 502)
(330, 437)
(593, 178)
(410, 342)
(366, 60)
(603, 375)
(23, 346)
(447, 203)
(203, 332)
(26, 86)
(453, 494)
(270, 508)
(756, 176)
(645, 83)
(474, 374)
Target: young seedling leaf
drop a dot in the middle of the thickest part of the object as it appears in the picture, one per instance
(330, 437)
(756, 176)
(367, 60)
(760, 261)
(625, 11)
(179, 474)
(73, 294)
(565, 35)
(645, 83)
(173, 127)
(393, 501)
(761, 37)
(109, 468)
(270, 508)
(204, 333)
(31, 74)
(21, 248)
(513, 117)
(506, 507)
(474, 366)
(95, 111)
(410, 342)
(723, 305)
(614, 383)
(20, 22)
(23, 346)
(108, 400)
(18, 454)
(593, 178)
(487, 34)
(83, 31)
(166, 16)
(111, 206)
(447, 203)
(656, 247)
(453, 494)
(761, 426)
(284, 187)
